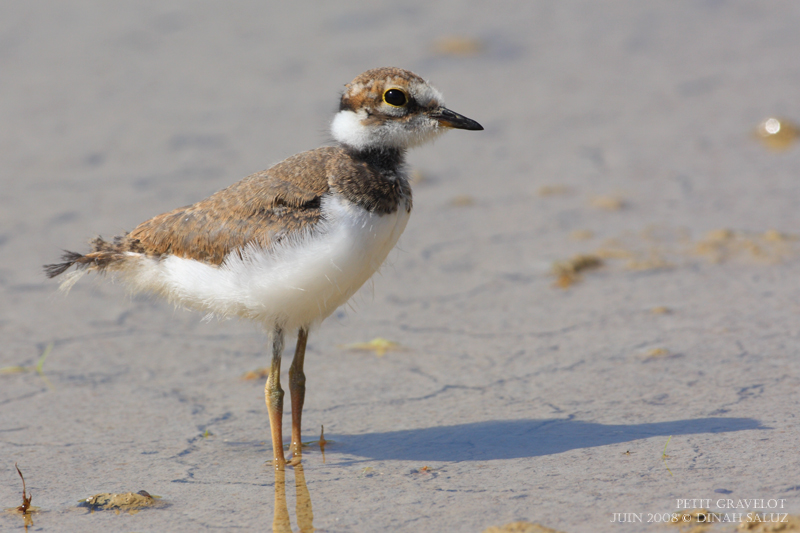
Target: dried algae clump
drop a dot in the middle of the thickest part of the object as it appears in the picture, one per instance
(379, 346)
(520, 527)
(608, 203)
(581, 235)
(456, 45)
(462, 200)
(259, 373)
(568, 272)
(553, 190)
(782, 523)
(657, 353)
(130, 502)
(721, 245)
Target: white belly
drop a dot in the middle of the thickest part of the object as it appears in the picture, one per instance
(298, 282)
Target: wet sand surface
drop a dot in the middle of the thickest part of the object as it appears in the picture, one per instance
(621, 131)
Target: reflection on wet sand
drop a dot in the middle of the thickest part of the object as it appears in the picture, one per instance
(305, 515)
(27, 515)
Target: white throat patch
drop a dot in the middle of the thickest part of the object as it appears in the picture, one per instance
(349, 129)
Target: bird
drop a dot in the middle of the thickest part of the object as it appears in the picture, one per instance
(285, 247)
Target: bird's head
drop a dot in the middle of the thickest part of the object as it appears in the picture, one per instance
(393, 108)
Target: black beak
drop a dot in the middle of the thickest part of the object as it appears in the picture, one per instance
(450, 119)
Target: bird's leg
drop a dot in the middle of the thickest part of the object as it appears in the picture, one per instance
(274, 397)
(297, 388)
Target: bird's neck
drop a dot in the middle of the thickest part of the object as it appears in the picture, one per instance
(375, 179)
(386, 160)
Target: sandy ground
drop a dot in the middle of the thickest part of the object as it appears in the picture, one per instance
(619, 129)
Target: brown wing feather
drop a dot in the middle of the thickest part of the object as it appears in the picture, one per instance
(262, 207)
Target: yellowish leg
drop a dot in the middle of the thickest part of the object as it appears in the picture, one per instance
(297, 388)
(274, 398)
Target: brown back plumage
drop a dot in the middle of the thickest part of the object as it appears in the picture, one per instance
(263, 208)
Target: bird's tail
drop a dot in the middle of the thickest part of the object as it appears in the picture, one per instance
(103, 254)
(69, 258)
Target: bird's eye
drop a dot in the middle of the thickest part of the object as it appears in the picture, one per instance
(395, 97)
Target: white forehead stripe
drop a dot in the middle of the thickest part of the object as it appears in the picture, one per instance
(424, 94)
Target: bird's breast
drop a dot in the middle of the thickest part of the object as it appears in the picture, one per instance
(297, 282)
